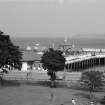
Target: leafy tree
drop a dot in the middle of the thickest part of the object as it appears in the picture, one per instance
(53, 61)
(92, 80)
(10, 56)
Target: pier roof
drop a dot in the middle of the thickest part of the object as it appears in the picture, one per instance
(31, 56)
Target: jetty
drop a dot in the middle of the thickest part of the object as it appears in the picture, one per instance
(87, 58)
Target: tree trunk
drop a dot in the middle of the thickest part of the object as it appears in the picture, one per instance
(1, 80)
(53, 78)
(52, 83)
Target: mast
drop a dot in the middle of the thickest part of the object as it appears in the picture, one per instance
(65, 40)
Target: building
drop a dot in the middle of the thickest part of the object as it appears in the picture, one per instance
(31, 60)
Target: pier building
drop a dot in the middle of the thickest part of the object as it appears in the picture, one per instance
(31, 57)
(31, 61)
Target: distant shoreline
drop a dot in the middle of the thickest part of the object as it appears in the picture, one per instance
(46, 41)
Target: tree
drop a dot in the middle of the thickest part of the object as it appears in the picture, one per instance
(92, 80)
(53, 61)
(10, 56)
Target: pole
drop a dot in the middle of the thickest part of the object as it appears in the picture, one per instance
(64, 74)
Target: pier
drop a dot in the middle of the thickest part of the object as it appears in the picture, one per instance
(86, 59)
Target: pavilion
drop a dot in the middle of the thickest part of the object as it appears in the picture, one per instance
(31, 60)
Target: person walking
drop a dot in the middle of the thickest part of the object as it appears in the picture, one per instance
(51, 96)
(73, 101)
(91, 103)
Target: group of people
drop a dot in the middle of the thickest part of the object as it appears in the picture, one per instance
(73, 101)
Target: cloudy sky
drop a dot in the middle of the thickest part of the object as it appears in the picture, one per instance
(52, 17)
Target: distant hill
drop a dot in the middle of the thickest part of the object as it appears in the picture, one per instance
(92, 36)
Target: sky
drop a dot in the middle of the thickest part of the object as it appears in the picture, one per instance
(53, 18)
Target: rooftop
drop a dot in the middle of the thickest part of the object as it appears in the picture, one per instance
(31, 56)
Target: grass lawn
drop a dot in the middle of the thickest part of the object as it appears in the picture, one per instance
(17, 93)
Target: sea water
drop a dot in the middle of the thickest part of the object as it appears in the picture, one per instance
(46, 41)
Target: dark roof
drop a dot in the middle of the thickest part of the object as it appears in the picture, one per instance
(31, 56)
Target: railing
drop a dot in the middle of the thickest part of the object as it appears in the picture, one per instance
(77, 58)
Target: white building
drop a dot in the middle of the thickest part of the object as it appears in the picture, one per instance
(31, 60)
